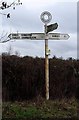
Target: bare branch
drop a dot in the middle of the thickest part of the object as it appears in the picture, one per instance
(4, 5)
(4, 38)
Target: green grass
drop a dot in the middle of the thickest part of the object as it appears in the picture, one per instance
(41, 109)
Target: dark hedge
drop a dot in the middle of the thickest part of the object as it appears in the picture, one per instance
(23, 78)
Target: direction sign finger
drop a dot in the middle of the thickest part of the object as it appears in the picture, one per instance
(58, 36)
(39, 36)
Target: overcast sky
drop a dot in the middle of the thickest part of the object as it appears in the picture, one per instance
(26, 18)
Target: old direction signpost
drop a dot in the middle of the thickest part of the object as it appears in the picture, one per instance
(45, 18)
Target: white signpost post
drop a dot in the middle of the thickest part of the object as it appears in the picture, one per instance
(46, 18)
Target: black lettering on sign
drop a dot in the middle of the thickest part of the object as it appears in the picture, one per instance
(55, 35)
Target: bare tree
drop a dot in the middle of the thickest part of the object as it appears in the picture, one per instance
(17, 53)
(10, 50)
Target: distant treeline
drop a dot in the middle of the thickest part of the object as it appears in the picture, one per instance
(23, 78)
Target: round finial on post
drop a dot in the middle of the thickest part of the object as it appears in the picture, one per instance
(46, 17)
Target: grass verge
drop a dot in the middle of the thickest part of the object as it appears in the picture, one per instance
(40, 109)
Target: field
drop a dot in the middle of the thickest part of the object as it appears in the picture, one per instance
(41, 109)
